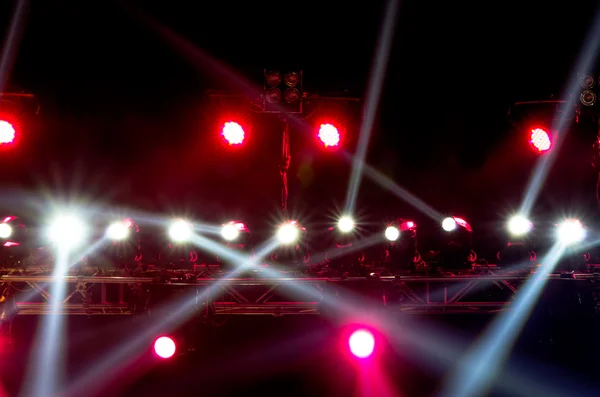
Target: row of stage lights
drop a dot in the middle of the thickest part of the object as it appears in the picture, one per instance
(396, 244)
(361, 343)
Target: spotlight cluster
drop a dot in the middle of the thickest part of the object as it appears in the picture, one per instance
(349, 248)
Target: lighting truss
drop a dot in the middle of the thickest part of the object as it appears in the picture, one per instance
(27, 294)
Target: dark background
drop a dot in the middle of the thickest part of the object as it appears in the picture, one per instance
(124, 119)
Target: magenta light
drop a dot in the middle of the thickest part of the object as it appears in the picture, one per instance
(164, 347)
(362, 343)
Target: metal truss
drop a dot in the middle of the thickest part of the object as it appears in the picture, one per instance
(94, 295)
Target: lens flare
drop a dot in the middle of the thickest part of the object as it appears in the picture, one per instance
(361, 343)
(164, 347)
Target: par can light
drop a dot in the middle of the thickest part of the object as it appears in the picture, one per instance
(180, 231)
(67, 231)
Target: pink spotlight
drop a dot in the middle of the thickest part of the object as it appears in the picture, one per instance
(233, 133)
(7, 132)
(540, 140)
(329, 135)
(164, 347)
(362, 343)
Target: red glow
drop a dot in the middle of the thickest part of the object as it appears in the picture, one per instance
(7, 132)
(233, 133)
(164, 347)
(540, 140)
(361, 343)
(329, 135)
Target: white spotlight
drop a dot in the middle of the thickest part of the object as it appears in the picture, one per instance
(345, 224)
(5, 230)
(230, 232)
(519, 225)
(288, 233)
(392, 233)
(67, 231)
(449, 224)
(180, 231)
(570, 231)
(117, 231)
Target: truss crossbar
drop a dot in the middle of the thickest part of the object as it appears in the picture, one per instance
(412, 294)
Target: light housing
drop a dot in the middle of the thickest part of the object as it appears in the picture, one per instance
(456, 244)
(180, 231)
(67, 231)
(282, 91)
(570, 232)
(346, 224)
(401, 245)
(235, 232)
(519, 226)
(120, 230)
(290, 232)
(540, 140)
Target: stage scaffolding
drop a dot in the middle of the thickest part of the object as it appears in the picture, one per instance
(102, 294)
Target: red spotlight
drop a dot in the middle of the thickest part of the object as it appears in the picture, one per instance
(540, 140)
(329, 135)
(361, 343)
(7, 132)
(164, 347)
(233, 133)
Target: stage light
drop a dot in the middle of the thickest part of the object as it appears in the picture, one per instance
(292, 79)
(518, 225)
(540, 140)
(5, 230)
(273, 95)
(7, 132)
(587, 81)
(329, 135)
(449, 224)
(164, 347)
(282, 95)
(570, 232)
(288, 233)
(118, 231)
(180, 231)
(345, 224)
(361, 343)
(67, 231)
(273, 78)
(587, 98)
(519, 249)
(291, 95)
(401, 247)
(457, 241)
(231, 231)
(392, 233)
(233, 133)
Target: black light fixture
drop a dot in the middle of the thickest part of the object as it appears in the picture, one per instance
(457, 243)
(401, 245)
(15, 241)
(519, 246)
(282, 91)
